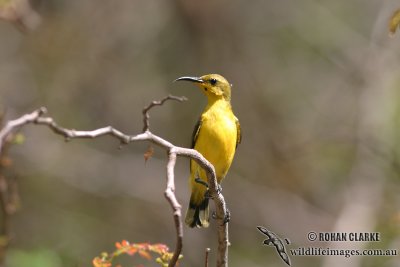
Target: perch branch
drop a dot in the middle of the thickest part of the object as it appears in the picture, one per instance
(176, 207)
(38, 117)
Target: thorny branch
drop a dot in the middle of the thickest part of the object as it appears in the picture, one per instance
(38, 117)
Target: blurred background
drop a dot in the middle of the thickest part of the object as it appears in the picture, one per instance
(316, 86)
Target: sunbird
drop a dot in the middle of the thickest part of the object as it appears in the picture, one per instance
(216, 136)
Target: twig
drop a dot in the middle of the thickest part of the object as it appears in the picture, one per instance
(12, 125)
(207, 254)
(146, 116)
(37, 117)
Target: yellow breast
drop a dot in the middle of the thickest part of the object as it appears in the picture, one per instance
(216, 139)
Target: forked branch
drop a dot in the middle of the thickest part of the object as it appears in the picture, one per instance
(39, 117)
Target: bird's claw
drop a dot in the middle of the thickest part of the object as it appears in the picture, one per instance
(214, 215)
(227, 217)
(208, 194)
(219, 189)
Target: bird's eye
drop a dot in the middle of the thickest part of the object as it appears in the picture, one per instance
(213, 81)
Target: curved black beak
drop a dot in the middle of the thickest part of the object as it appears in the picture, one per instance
(190, 79)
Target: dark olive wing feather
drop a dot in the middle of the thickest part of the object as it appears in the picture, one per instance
(195, 134)
(196, 131)
(239, 133)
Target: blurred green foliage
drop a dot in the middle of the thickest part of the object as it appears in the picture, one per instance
(34, 258)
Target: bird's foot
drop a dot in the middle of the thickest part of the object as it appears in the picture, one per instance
(227, 217)
(208, 194)
(219, 189)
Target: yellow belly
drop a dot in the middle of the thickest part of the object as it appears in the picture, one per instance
(216, 141)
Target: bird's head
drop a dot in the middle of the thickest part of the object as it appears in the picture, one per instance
(214, 86)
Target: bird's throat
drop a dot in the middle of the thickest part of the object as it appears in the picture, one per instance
(217, 103)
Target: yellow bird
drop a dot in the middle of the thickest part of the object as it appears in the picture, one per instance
(216, 136)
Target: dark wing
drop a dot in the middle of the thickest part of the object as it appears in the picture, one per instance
(195, 134)
(239, 133)
(196, 131)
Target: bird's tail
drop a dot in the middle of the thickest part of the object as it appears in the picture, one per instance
(197, 215)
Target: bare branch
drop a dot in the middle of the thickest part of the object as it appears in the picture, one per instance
(176, 207)
(37, 117)
(12, 125)
(146, 116)
(71, 134)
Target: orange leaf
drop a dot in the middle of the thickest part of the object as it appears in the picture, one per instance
(149, 153)
(118, 245)
(132, 251)
(145, 254)
(97, 262)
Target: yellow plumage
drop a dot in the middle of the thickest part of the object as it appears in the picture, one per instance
(216, 136)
